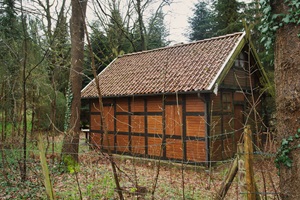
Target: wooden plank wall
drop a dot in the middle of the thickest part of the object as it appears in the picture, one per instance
(137, 126)
(229, 108)
(224, 136)
(227, 125)
(226, 108)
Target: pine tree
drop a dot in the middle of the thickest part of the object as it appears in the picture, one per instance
(117, 32)
(201, 22)
(227, 18)
(157, 32)
(223, 17)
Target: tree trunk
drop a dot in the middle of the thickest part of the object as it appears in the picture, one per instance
(71, 139)
(287, 70)
(24, 101)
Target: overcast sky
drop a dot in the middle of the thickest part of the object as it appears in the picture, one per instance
(177, 19)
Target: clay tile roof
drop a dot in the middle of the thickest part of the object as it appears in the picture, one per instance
(179, 68)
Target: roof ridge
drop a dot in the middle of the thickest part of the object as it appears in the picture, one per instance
(180, 45)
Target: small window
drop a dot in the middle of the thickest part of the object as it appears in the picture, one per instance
(227, 102)
(240, 62)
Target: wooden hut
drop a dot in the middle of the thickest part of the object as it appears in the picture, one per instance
(184, 102)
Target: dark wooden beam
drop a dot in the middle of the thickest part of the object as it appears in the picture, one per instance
(184, 138)
(207, 126)
(146, 126)
(115, 125)
(129, 125)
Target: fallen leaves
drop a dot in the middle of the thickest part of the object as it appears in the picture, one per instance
(136, 178)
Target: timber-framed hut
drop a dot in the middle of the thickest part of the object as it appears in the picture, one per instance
(186, 102)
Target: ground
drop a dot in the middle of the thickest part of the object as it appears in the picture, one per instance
(93, 178)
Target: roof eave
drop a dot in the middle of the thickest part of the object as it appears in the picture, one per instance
(245, 39)
(152, 94)
(260, 67)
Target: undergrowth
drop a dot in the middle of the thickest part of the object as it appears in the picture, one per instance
(136, 177)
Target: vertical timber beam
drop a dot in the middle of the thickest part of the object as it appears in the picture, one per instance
(234, 149)
(222, 125)
(207, 127)
(90, 123)
(129, 125)
(184, 128)
(101, 131)
(164, 146)
(115, 124)
(146, 125)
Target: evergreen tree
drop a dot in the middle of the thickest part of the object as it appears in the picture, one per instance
(223, 17)
(102, 51)
(157, 32)
(10, 56)
(8, 19)
(201, 22)
(56, 61)
(227, 17)
(116, 32)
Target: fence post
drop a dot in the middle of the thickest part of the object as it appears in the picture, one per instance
(248, 148)
(228, 180)
(48, 185)
(242, 171)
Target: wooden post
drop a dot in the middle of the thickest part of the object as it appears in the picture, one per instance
(248, 147)
(242, 172)
(243, 165)
(229, 178)
(48, 185)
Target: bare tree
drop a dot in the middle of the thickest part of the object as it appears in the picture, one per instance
(130, 18)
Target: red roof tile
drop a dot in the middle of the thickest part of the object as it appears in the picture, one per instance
(180, 68)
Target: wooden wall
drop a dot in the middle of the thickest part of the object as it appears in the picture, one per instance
(191, 128)
(224, 130)
(139, 126)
